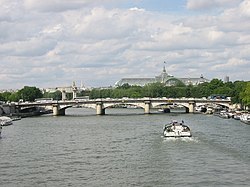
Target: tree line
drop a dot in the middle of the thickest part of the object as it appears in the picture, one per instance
(239, 91)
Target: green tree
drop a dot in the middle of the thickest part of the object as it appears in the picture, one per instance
(245, 95)
(29, 93)
(215, 83)
(223, 90)
(170, 92)
(1, 97)
(14, 97)
(6, 96)
(135, 92)
(239, 86)
(154, 89)
(189, 89)
(216, 86)
(125, 86)
(57, 95)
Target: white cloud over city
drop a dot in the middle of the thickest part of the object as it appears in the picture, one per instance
(52, 43)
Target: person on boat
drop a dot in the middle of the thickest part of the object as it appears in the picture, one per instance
(174, 125)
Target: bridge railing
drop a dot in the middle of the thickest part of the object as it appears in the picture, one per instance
(124, 99)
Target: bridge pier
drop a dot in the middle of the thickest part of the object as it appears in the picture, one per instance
(74, 94)
(74, 90)
(147, 107)
(57, 111)
(191, 107)
(99, 108)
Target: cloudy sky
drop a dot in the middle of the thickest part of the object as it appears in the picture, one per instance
(50, 43)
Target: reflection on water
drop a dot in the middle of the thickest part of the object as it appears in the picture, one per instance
(123, 148)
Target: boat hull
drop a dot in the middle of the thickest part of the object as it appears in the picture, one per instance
(176, 130)
(5, 121)
(176, 135)
(246, 122)
(245, 118)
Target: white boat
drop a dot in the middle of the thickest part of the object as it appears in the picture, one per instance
(245, 118)
(201, 108)
(164, 110)
(237, 115)
(224, 114)
(5, 121)
(176, 129)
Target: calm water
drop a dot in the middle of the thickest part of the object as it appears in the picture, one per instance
(123, 149)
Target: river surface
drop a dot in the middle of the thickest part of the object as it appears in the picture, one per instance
(123, 148)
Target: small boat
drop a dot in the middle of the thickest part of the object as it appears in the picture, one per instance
(224, 114)
(245, 118)
(0, 130)
(5, 121)
(164, 110)
(176, 129)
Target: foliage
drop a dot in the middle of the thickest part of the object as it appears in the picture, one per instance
(245, 95)
(215, 87)
(82, 93)
(57, 95)
(29, 93)
(1, 97)
(5, 96)
(239, 91)
(239, 87)
(9, 96)
(154, 90)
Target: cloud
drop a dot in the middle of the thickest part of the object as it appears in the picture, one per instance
(204, 4)
(245, 8)
(230, 65)
(55, 5)
(52, 43)
(30, 47)
(63, 5)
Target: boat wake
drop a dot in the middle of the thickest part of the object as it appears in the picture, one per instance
(182, 139)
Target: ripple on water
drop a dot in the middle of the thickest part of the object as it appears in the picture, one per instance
(123, 150)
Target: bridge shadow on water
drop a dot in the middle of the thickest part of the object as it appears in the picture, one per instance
(80, 112)
(125, 114)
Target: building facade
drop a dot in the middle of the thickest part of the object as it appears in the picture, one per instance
(164, 78)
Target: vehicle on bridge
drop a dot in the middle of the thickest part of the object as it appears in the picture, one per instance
(176, 129)
(217, 96)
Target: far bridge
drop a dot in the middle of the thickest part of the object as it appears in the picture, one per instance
(146, 103)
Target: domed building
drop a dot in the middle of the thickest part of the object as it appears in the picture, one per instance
(164, 77)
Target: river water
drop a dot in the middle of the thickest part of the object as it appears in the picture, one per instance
(123, 148)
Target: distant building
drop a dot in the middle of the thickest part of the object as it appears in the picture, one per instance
(164, 77)
(226, 79)
(67, 89)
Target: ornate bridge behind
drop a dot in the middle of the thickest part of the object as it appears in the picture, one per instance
(59, 107)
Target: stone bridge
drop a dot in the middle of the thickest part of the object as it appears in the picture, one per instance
(59, 107)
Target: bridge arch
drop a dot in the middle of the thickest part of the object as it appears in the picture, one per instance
(60, 109)
(109, 105)
(185, 105)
